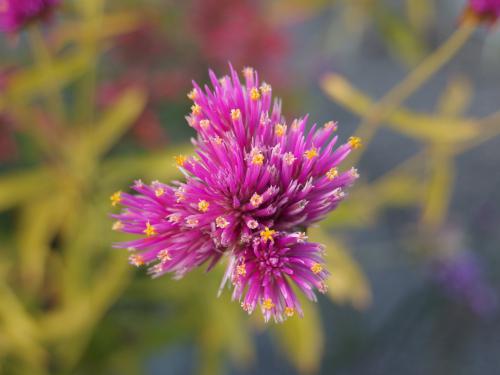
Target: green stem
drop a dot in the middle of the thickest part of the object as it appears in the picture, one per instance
(43, 59)
(398, 94)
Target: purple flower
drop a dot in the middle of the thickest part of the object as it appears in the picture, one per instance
(483, 10)
(462, 278)
(255, 183)
(15, 14)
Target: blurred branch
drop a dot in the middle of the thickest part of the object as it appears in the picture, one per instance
(396, 96)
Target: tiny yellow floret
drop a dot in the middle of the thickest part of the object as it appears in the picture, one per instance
(279, 130)
(267, 304)
(192, 94)
(256, 200)
(203, 206)
(332, 173)
(136, 260)
(150, 230)
(180, 160)
(159, 192)
(267, 234)
(241, 270)
(258, 158)
(235, 114)
(116, 198)
(164, 256)
(355, 142)
(196, 109)
(221, 222)
(313, 152)
(254, 94)
(289, 311)
(316, 268)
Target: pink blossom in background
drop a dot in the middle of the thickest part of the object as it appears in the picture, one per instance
(15, 14)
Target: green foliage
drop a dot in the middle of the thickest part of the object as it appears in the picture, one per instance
(71, 304)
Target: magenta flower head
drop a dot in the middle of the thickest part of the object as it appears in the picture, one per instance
(253, 188)
(486, 11)
(15, 14)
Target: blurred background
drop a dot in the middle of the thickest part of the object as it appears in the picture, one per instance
(93, 96)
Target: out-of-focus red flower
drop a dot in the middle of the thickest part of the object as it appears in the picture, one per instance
(15, 14)
(147, 130)
(487, 11)
(144, 47)
(236, 31)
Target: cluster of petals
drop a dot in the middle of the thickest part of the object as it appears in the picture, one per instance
(253, 187)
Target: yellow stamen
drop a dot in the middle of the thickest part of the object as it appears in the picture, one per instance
(323, 288)
(116, 198)
(136, 260)
(289, 311)
(164, 256)
(330, 125)
(258, 158)
(267, 234)
(354, 142)
(192, 94)
(235, 114)
(265, 88)
(254, 94)
(174, 218)
(267, 304)
(289, 158)
(203, 206)
(241, 270)
(354, 172)
(247, 72)
(279, 130)
(192, 222)
(204, 124)
(332, 173)
(221, 222)
(316, 268)
(217, 140)
(196, 109)
(256, 200)
(159, 192)
(118, 225)
(313, 152)
(180, 160)
(150, 230)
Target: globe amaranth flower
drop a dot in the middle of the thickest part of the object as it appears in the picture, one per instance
(255, 184)
(15, 14)
(483, 10)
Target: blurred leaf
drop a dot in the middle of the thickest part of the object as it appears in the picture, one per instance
(20, 186)
(421, 14)
(402, 40)
(456, 98)
(37, 226)
(35, 80)
(425, 127)
(301, 339)
(116, 121)
(92, 29)
(402, 187)
(347, 283)
(440, 188)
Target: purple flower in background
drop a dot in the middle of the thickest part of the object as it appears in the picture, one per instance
(255, 183)
(15, 14)
(461, 277)
(483, 10)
